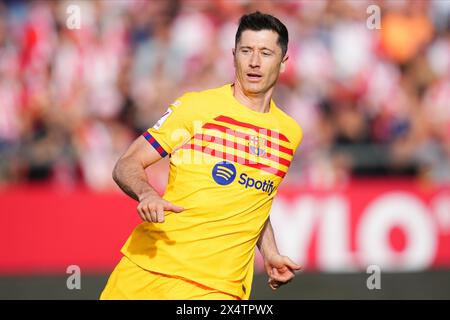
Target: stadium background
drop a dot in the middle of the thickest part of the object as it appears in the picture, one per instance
(370, 184)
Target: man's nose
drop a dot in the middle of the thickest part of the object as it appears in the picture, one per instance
(254, 60)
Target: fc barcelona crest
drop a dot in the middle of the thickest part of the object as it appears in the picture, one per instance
(257, 145)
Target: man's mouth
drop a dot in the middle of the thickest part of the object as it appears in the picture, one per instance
(252, 76)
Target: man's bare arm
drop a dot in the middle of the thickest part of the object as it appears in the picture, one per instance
(129, 171)
(279, 268)
(129, 174)
(266, 242)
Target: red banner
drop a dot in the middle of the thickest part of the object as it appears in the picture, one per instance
(397, 225)
(46, 229)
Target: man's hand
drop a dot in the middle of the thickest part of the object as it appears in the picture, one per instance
(151, 207)
(281, 270)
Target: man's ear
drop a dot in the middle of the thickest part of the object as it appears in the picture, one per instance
(283, 63)
(233, 50)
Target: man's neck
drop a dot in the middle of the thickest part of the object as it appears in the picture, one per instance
(259, 103)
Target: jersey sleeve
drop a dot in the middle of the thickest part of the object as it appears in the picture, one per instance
(298, 135)
(175, 127)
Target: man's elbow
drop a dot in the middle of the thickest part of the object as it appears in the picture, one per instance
(115, 171)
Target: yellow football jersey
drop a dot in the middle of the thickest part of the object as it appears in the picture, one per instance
(226, 162)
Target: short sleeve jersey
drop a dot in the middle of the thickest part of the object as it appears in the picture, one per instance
(226, 163)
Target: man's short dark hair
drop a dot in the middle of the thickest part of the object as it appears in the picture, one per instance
(257, 21)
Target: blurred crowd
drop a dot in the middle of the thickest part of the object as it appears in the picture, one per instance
(372, 102)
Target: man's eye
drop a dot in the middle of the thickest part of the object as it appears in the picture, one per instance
(245, 51)
(266, 53)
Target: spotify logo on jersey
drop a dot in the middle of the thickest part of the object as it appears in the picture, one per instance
(224, 173)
